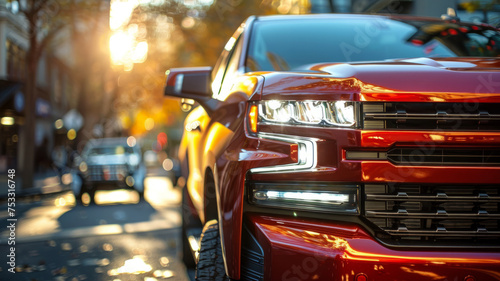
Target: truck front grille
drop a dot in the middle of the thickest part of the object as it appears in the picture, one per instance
(420, 213)
(439, 156)
(431, 116)
(107, 172)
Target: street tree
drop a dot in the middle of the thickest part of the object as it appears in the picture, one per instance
(45, 21)
(94, 80)
(49, 23)
(178, 33)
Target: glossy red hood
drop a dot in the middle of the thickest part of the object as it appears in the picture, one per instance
(421, 79)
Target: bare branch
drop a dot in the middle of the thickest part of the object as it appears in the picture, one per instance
(47, 39)
(32, 9)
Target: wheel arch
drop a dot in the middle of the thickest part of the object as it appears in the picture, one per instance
(210, 194)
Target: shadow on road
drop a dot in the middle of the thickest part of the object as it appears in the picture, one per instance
(118, 238)
(94, 215)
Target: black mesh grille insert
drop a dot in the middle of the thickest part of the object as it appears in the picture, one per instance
(108, 172)
(445, 156)
(432, 116)
(418, 213)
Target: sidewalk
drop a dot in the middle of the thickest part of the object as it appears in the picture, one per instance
(44, 183)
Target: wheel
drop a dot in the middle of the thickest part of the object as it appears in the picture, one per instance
(78, 195)
(210, 265)
(78, 198)
(91, 194)
(187, 255)
(141, 196)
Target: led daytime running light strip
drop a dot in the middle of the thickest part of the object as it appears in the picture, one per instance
(306, 196)
(323, 197)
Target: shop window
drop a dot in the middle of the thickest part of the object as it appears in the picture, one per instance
(16, 61)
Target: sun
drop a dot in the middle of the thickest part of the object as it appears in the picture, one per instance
(124, 46)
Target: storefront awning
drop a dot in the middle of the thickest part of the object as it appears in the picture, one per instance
(8, 89)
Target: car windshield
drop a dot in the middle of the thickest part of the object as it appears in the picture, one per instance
(110, 150)
(288, 44)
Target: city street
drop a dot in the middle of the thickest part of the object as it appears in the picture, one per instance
(118, 238)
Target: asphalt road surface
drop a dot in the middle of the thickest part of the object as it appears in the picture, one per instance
(117, 239)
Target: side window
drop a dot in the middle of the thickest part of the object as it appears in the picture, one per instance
(218, 72)
(220, 69)
(232, 67)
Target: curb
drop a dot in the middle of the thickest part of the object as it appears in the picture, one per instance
(37, 191)
(33, 192)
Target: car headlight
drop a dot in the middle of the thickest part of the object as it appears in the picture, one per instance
(315, 113)
(319, 197)
(133, 161)
(83, 167)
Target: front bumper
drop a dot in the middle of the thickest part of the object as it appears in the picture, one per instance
(114, 176)
(313, 250)
(287, 243)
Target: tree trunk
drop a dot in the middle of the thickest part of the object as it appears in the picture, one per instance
(332, 7)
(28, 141)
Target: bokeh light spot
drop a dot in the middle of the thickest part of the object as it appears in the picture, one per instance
(164, 261)
(168, 164)
(131, 141)
(59, 124)
(71, 134)
(107, 247)
(149, 124)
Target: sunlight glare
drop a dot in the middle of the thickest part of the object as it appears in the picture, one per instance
(125, 46)
(120, 45)
(140, 52)
(135, 265)
(122, 196)
(120, 12)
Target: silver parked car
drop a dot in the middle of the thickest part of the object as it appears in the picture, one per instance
(110, 163)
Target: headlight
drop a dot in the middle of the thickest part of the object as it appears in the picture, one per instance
(306, 196)
(133, 160)
(315, 113)
(83, 167)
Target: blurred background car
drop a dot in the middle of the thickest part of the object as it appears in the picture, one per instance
(160, 163)
(110, 163)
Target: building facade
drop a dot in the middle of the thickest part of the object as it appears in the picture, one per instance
(53, 96)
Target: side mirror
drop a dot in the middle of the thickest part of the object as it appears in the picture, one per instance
(191, 83)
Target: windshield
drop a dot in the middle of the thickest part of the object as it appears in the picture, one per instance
(110, 150)
(287, 44)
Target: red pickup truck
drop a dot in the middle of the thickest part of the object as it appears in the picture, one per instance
(344, 147)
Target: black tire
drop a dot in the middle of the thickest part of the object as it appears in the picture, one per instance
(210, 265)
(91, 194)
(78, 197)
(141, 196)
